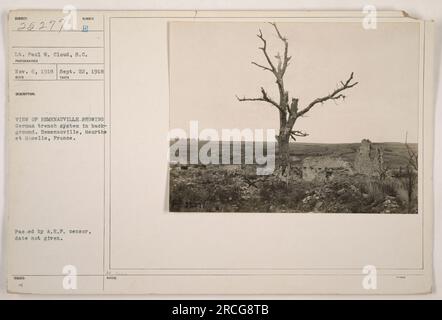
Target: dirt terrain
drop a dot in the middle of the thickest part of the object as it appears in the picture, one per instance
(237, 188)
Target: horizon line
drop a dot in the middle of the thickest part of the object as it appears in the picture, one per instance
(306, 142)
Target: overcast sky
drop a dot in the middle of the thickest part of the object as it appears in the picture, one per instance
(210, 63)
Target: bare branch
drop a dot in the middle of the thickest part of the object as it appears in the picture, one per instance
(285, 60)
(250, 182)
(264, 98)
(253, 180)
(278, 57)
(412, 156)
(335, 95)
(277, 32)
(264, 50)
(297, 133)
(261, 66)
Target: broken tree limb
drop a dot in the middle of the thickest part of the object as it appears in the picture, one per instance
(335, 95)
(264, 98)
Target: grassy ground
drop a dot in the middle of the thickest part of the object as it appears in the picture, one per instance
(219, 188)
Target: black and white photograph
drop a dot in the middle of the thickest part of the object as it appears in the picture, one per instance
(280, 117)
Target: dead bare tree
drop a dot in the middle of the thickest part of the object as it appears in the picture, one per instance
(411, 171)
(412, 155)
(381, 168)
(289, 112)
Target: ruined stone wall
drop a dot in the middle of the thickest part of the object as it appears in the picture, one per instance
(369, 160)
(324, 168)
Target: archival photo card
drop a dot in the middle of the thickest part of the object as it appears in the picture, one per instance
(219, 152)
(294, 117)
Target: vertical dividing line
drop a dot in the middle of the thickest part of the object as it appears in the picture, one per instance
(104, 153)
(423, 145)
(110, 142)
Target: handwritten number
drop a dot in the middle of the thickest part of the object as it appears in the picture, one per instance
(31, 26)
(45, 25)
(22, 26)
(51, 23)
(62, 22)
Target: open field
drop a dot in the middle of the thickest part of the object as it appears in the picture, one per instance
(395, 153)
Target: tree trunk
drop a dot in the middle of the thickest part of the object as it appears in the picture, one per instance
(283, 152)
